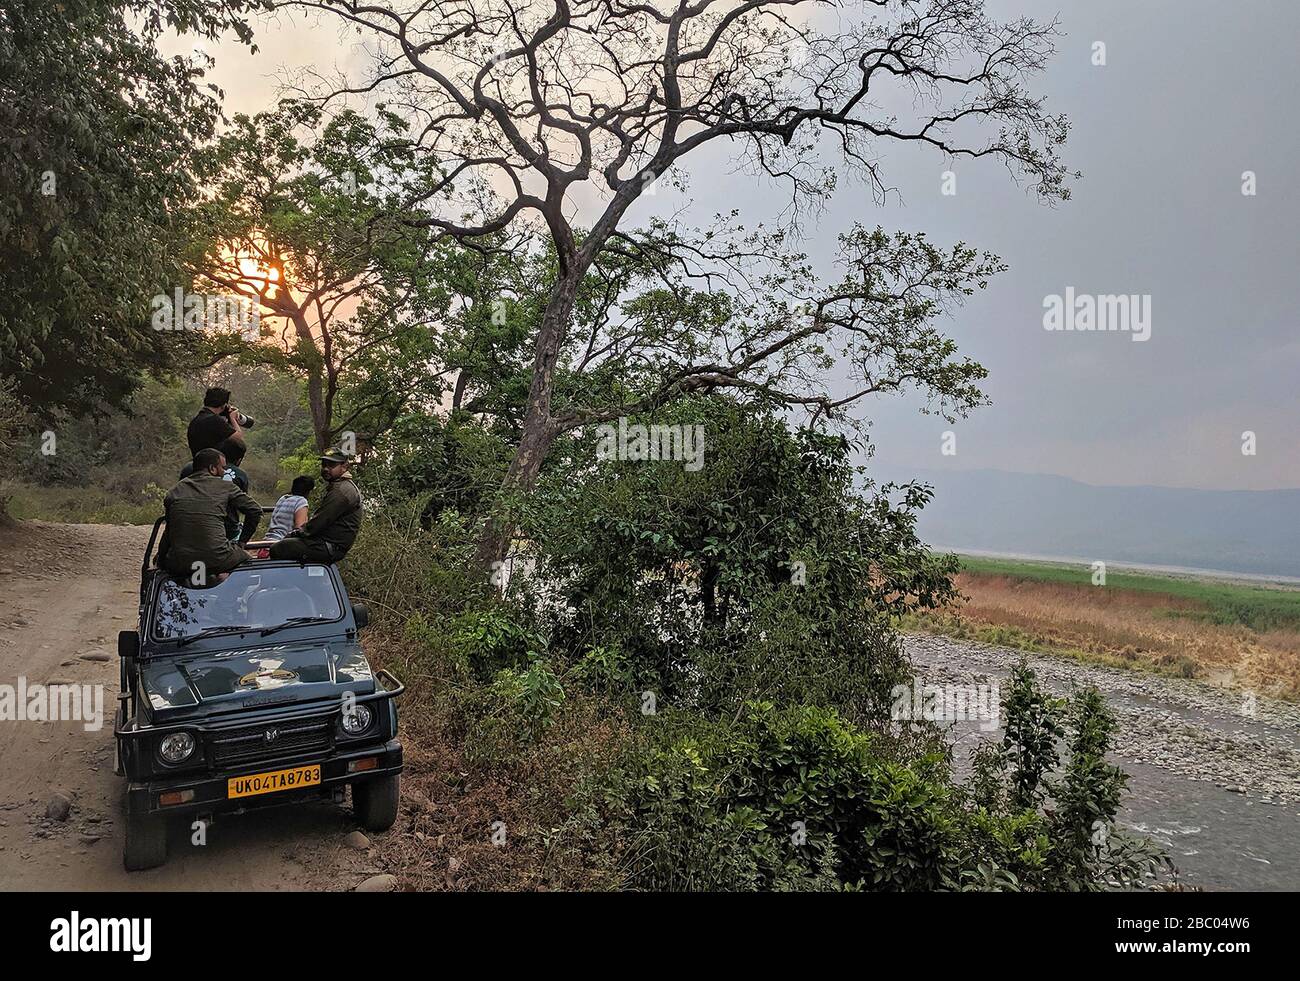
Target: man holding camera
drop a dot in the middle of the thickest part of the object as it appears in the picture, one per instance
(218, 426)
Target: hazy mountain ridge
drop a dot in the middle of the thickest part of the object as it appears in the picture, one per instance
(1255, 532)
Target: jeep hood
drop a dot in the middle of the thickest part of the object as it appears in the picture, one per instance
(221, 681)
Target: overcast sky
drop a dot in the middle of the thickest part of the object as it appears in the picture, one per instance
(1194, 92)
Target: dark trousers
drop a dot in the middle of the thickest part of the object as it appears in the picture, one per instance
(299, 549)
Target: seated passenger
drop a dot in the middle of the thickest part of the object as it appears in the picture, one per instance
(290, 512)
(333, 528)
(195, 548)
(234, 454)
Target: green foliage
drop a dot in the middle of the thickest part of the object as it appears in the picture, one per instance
(604, 670)
(1033, 728)
(808, 788)
(792, 798)
(456, 465)
(491, 639)
(14, 419)
(535, 691)
(119, 453)
(96, 168)
(1039, 826)
(322, 204)
(799, 798)
(1089, 850)
(764, 573)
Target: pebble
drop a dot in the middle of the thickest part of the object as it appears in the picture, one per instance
(357, 840)
(58, 807)
(378, 883)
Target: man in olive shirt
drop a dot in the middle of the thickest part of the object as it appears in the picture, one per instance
(194, 547)
(330, 532)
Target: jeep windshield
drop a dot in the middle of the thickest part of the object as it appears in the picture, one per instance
(253, 598)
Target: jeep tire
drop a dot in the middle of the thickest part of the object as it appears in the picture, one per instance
(375, 801)
(146, 842)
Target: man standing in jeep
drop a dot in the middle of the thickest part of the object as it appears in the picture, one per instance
(218, 426)
(333, 528)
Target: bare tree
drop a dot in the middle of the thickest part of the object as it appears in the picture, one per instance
(541, 99)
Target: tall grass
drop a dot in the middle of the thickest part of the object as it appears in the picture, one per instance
(1228, 633)
(81, 505)
(1263, 607)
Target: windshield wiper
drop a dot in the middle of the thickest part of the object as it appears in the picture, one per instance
(295, 622)
(213, 632)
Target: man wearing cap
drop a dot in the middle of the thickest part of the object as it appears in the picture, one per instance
(333, 528)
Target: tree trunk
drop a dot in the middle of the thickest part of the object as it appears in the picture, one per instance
(709, 576)
(539, 432)
(320, 416)
(458, 395)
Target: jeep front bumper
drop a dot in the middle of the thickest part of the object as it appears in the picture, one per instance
(208, 794)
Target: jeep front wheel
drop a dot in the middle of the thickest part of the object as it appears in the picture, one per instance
(146, 842)
(375, 802)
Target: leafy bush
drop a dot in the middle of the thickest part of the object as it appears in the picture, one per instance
(1033, 728)
(492, 640)
(771, 762)
(1074, 844)
(799, 798)
(764, 574)
(779, 798)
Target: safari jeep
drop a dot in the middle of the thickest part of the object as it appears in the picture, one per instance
(251, 692)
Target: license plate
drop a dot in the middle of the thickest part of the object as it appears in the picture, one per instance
(276, 780)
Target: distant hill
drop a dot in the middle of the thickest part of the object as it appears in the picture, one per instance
(1256, 532)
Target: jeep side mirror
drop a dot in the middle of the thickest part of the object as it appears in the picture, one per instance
(361, 614)
(128, 643)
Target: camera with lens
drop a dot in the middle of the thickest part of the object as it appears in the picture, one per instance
(245, 422)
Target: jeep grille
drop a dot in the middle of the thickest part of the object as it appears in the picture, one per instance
(249, 744)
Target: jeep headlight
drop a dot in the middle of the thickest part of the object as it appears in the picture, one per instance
(357, 720)
(177, 747)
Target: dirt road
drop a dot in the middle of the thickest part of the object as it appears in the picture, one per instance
(65, 592)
